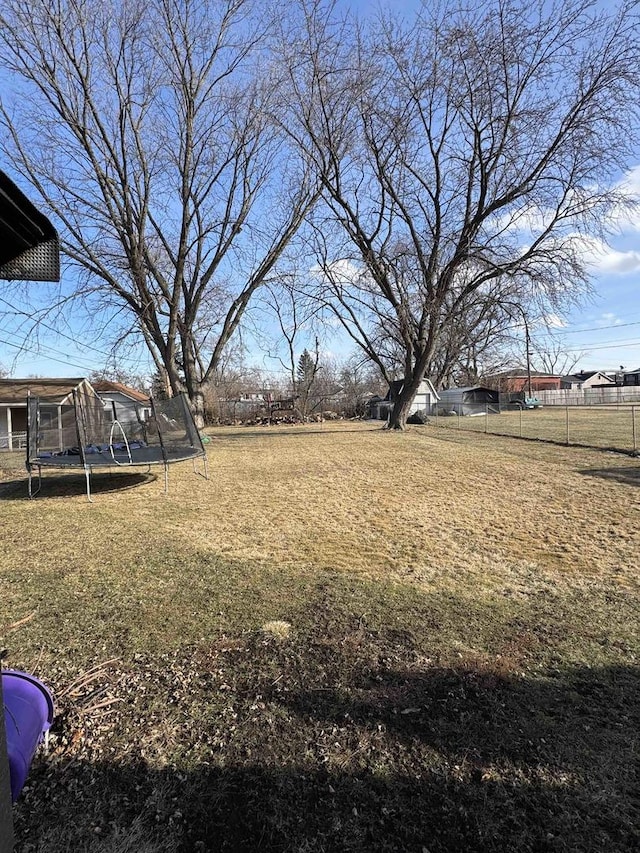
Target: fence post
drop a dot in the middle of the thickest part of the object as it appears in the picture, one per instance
(566, 409)
(458, 419)
(633, 429)
(486, 418)
(520, 409)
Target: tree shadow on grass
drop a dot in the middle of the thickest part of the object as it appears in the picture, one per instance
(400, 760)
(630, 476)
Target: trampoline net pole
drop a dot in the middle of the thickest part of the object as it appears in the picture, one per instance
(154, 415)
(81, 427)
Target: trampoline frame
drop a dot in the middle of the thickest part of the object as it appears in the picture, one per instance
(107, 457)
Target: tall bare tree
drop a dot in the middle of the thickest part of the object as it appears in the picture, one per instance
(145, 128)
(460, 152)
(293, 316)
(553, 354)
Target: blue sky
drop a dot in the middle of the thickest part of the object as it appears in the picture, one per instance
(604, 331)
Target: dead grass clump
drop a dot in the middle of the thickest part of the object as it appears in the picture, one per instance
(279, 629)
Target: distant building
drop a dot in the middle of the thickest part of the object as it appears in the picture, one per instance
(56, 394)
(123, 403)
(586, 379)
(470, 400)
(631, 377)
(518, 380)
(424, 401)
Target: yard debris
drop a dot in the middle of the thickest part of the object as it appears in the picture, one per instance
(20, 622)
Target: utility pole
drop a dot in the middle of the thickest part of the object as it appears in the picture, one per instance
(527, 340)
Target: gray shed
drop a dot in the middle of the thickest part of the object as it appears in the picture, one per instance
(472, 400)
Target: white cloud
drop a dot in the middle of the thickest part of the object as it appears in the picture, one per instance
(613, 261)
(610, 319)
(604, 258)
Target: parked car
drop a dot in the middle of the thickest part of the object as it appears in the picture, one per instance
(526, 403)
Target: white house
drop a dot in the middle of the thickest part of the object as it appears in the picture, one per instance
(585, 379)
(424, 401)
(122, 403)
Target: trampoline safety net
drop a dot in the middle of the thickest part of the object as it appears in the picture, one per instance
(91, 433)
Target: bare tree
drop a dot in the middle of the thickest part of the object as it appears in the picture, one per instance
(145, 128)
(359, 380)
(295, 315)
(305, 378)
(460, 152)
(552, 354)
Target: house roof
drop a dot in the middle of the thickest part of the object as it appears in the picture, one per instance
(520, 372)
(107, 387)
(396, 387)
(14, 391)
(28, 241)
(583, 376)
(471, 388)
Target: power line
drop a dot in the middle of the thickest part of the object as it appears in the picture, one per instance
(60, 334)
(586, 347)
(82, 367)
(591, 329)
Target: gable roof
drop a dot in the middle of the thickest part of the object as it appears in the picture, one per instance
(585, 375)
(16, 391)
(466, 388)
(396, 387)
(106, 387)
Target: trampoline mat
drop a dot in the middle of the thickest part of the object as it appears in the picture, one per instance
(104, 459)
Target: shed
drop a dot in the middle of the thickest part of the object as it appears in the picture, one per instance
(470, 400)
(424, 401)
(54, 395)
(631, 377)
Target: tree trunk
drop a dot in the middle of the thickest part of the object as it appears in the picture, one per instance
(402, 405)
(400, 412)
(197, 407)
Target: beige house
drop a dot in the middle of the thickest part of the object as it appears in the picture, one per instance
(55, 393)
(585, 379)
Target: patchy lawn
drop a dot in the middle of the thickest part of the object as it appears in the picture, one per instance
(605, 427)
(345, 640)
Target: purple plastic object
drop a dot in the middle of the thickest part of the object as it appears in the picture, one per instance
(28, 714)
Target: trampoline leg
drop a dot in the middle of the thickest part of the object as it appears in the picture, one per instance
(87, 474)
(206, 469)
(166, 479)
(33, 493)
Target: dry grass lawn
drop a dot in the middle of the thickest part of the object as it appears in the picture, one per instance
(343, 640)
(615, 428)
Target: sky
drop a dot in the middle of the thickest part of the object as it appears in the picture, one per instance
(602, 334)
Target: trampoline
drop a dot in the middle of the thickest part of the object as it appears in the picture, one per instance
(85, 435)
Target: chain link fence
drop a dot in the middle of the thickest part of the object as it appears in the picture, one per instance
(610, 428)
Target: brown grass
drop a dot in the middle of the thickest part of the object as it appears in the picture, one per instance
(464, 635)
(589, 426)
